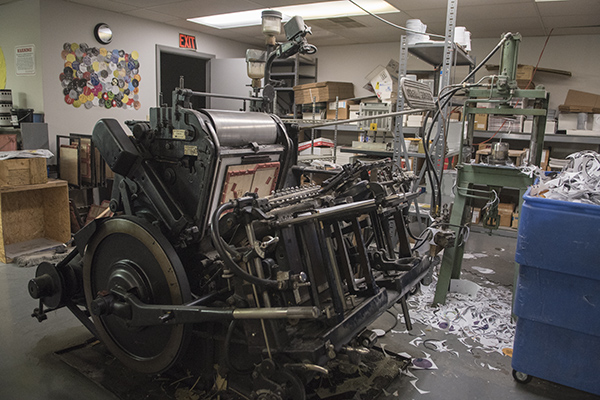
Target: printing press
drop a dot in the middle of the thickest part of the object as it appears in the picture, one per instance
(211, 258)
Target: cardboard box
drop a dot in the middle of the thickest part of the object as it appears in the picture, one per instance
(323, 91)
(23, 171)
(515, 221)
(505, 211)
(384, 81)
(525, 72)
(577, 101)
(343, 110)
(475, 215)
(550, 126)
(480, 123)
(503, 124)
(522, 84)
(8, 142)
(414, 145)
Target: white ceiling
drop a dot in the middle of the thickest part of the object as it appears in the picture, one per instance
(484, 18)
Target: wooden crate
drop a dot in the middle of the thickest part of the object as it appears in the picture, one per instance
(33, 218)
(23, 171)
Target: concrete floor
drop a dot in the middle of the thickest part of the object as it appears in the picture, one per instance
(30, 370)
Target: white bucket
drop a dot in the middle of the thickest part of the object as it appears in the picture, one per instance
(596, 123)
(467, 41)
(463, 37)
(417, 36)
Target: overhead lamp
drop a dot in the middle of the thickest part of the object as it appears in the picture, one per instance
(322, 10)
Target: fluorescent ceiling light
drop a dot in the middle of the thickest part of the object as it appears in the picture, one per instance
(547, 1)
(330, 9)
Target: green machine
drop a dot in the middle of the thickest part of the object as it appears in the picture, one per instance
(499, 93)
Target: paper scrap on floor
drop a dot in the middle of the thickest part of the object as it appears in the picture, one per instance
(481, 321)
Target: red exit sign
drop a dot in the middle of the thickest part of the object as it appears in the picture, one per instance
(187, 41)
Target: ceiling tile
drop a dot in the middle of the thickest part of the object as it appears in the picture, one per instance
(571, 7)
(151, 15)
(497, 11)
(195, 8)
(372, 35)
(106, 5)
(570, 21)
(576, 31)
(404, 5)
(429, 15)
(279, 3)
(145, 3)
(484, 18)
(468, 3)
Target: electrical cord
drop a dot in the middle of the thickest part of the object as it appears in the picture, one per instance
(447, 97)
(226, 354)
(229, 262)
(394, 25)
(395, 321)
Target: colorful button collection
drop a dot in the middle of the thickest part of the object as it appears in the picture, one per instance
(95, 77)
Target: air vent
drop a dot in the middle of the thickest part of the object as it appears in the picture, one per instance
(341, 22)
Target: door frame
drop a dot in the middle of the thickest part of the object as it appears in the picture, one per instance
(185, 53)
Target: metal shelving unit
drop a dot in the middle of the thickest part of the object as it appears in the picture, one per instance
(444, 55)
(548, 138)
(292, 71)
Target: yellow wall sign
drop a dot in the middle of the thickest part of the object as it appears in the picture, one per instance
(373, 126)
(2, 70)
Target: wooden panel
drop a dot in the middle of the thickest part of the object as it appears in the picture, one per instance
(85, 160)
(23, 171)
(69, 164)
(34, 211)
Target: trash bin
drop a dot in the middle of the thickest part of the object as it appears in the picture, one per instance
(557, 298)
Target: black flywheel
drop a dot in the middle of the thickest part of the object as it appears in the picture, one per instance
(129, 253)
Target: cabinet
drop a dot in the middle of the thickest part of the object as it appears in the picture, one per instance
(289, 72)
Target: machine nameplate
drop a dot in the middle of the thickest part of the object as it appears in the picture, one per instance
(178, 133)
(190, 150)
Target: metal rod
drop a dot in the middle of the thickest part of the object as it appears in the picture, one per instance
(335, 132)
(347, 121)
(277, 313)
(223, 96)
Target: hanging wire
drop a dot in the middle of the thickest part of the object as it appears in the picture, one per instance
(394, 25)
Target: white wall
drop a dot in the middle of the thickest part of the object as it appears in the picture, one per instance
(228, 76)
(68, 22)
(578, 54)
(20, 25)
(50, 23)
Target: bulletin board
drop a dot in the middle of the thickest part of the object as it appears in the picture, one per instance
(100, 77)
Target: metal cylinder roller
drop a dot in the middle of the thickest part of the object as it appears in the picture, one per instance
(236, 128)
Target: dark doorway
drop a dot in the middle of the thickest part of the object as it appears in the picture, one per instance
(193, 67)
